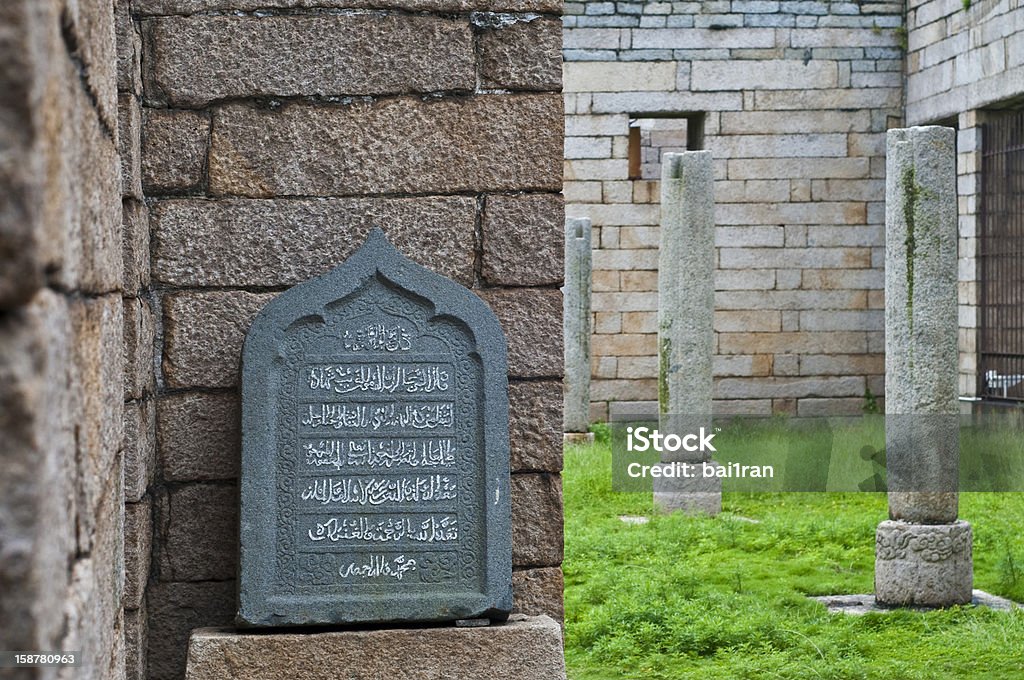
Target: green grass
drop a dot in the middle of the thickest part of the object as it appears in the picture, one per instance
(842, 454)
(726, 598)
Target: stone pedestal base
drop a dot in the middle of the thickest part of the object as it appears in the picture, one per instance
(696, 495)
(524, 647)
(578, 438)
(923, 565)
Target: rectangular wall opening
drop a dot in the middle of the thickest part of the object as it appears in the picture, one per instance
(1001, 258)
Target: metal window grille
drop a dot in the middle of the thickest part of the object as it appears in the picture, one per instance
(1001, 258)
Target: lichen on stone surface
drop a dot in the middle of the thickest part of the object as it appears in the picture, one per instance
(911, 196)
(664, 363)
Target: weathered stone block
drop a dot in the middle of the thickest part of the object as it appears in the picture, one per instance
(198, 434)
(89, 30)
(603, 76)
(175, 609)
(115, 657)
(626, 344)
(138, 542)
(532, 320)
(203, 334)
(136, 634)
(138, 348)
(526, 55)
(199, 532)
(522, 238)
(129, 49)
(198, 59)
(37, 419)
(774, 74)
(538, 591)
(129, 135)
(94, 620)
(99, 363)
(537, 539)
(23, 249)
(174, 149)
(92, 259)
(139, 448)
(135, 246)
(703, 38)
(625, 390)
(459, 144)
(535, 425)
(284, 242)
(196, 6)
(780, 387)
(527, 647)
(923, 565)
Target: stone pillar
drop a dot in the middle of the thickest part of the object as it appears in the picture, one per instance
(576, 316)
(922, 553)
(686, 305)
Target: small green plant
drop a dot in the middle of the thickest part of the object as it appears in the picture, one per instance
(870, 406)
(1009, 569)
(738, 582)
(901, 36)
(602, 433)
(966, 4)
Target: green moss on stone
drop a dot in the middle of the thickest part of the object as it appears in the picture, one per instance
(664, 350)
(911, 196)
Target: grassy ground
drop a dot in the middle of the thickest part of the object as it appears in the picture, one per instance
(726, 598)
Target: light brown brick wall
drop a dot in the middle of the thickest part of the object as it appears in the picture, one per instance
(444, 127)
(796, 98)
(61, 318)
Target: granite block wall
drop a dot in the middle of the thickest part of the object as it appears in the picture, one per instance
(62, 512)
(964, 65)
(270, 142)
(793, 100)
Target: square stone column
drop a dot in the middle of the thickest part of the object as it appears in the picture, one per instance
(576, 320)
(686, 307)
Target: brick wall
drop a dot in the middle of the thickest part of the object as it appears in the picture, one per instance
(270, 142)
(961, 62)
(61, 369)
(795, 99)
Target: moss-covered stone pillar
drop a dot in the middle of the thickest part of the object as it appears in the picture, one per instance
(576, 320)
(686, 305)
(922, 553)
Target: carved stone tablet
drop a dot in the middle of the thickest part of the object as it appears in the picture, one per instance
(375, 454)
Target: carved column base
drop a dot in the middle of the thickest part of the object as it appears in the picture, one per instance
(696, 495)
(923, 565)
